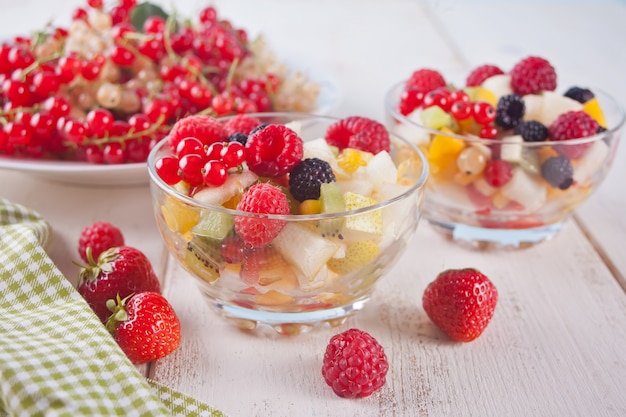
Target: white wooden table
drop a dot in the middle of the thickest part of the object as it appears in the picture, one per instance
(557, 343)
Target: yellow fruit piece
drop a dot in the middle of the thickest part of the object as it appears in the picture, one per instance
(351, 159)
(370, 222)
(592, 108)
(311, 207)
(273, 298)
(481, 94)
(357, 255)
(443, 152)
(499, 200)
(178, 216)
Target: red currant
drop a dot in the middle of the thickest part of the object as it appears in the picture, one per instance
(483, 112)
(166, 168)
(459, 95)
(461, 110)
(188, 146)
(215, 173)
(93, 154)
(438, 97)
(100, 121)
(122, 56)
(96, 4)
(190, 167)
(222, 104)
(208, 15)
(113, 153)
(233, 154)
(45, 83)
(488, 132)
(411, 99)
(214, 151)
(154, 24)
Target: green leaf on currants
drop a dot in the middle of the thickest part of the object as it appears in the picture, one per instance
(143, 11)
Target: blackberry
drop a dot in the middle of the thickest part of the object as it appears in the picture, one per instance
(510, 111)
(306, 178)
(558, 172)
(581, 95)
(238, 137)
(532, 131)
(259, 127)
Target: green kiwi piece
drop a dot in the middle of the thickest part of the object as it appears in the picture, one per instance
(214, 224)
(203, 258)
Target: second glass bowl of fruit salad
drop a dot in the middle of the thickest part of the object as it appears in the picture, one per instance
(510, 157)
(299, 222)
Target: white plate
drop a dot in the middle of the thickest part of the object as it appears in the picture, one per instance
(77, 173)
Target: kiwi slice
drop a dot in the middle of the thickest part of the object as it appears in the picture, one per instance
(203, 258)
(213, 224)
(331, 201)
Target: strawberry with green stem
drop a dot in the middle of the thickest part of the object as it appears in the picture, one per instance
(118, 271)
(144, 325)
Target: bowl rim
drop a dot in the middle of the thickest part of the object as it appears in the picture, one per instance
(170, 190)
(391, 107)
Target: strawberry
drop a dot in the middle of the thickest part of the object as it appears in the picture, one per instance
(461, 302)
(145, 326)
(122, 271)
(206, 128)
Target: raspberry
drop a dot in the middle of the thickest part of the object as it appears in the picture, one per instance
(533, 75)
(358, 133)
(498, 172)
(426, 80)
(306, 178)
(532, 131)
(581, 95)
(510, 111)
(99, 236)
(558, 172)
(355, 364)
(480, 74)
(573, 125)
(206, 128)
(273, 150)
(242, 123)
(266, 199)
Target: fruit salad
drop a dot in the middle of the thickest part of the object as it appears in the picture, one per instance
(506, 150)
(286, 216)
(107, 87)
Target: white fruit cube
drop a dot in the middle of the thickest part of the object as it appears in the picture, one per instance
(533, 104)
(525, 190)
(555, 104)
(591, 162)
(511, 149)
(499, 85)
(306, 251)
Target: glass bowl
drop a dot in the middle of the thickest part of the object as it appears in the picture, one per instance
(532, 206)
(321, 268)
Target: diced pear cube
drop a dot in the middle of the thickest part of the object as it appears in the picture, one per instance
(525, 190)
(499, 85)
(591, 162)
(305, 250)
(511, 149)
(555, 104)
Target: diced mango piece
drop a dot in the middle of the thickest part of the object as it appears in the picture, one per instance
(178, 216)
(351, 159)
(592, 108)
(443, 152)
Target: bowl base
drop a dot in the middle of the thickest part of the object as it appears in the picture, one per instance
(485, 238)
(287, 324)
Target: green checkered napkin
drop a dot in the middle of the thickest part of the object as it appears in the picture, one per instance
(56, 358)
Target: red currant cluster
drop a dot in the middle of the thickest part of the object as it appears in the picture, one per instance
(198, 164)
(474, 117)
(109, 86)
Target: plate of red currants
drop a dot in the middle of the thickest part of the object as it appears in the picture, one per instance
(85, 104)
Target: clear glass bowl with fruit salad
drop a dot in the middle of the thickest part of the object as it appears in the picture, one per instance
(286, 220)
(510, 156)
